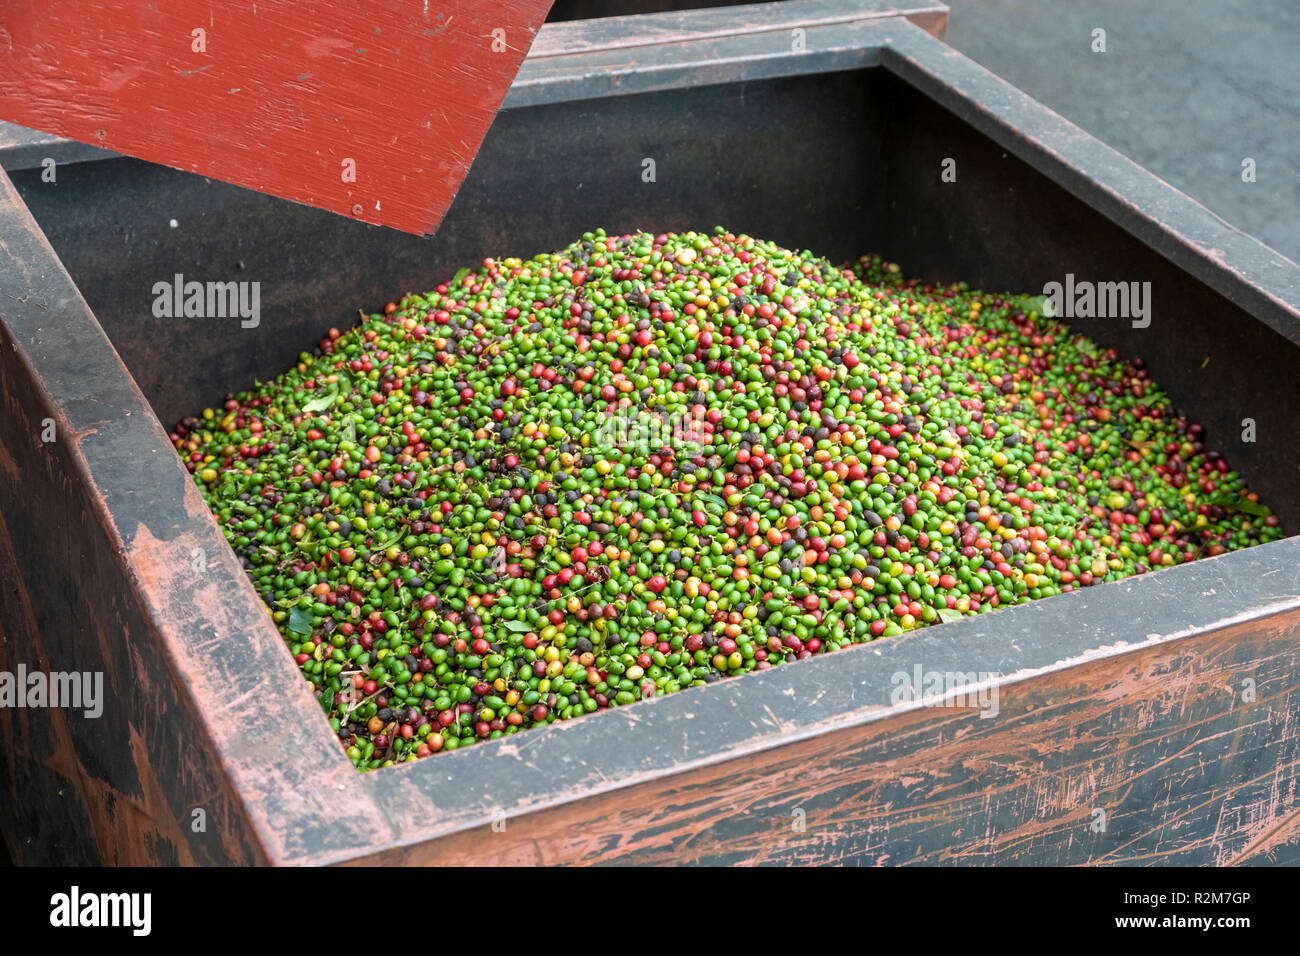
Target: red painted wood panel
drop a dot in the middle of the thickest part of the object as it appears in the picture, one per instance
(373, 109)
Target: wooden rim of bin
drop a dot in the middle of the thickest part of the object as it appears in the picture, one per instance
(305, 802)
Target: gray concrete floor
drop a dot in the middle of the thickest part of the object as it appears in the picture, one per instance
(1186, 88)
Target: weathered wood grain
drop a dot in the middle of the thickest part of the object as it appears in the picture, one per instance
(119, 788)
(278, 96)
(1159, 740)
(652, 29)
(1125, 697)
(559, 47)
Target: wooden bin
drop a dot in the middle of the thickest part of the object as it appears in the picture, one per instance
(1149, 720)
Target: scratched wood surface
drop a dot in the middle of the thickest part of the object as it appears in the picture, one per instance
(558, 45)
(1126, 698)
(649, 29)
(373, 109)
(1144, 758)
(119, 788)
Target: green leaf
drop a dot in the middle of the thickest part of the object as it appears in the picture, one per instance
(716, 503)
(1035, 303)
(456, 279)
(300, 621)
(517, 626)
(1240, 504)
(389, 542)
(320, 404)
(948, 615)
